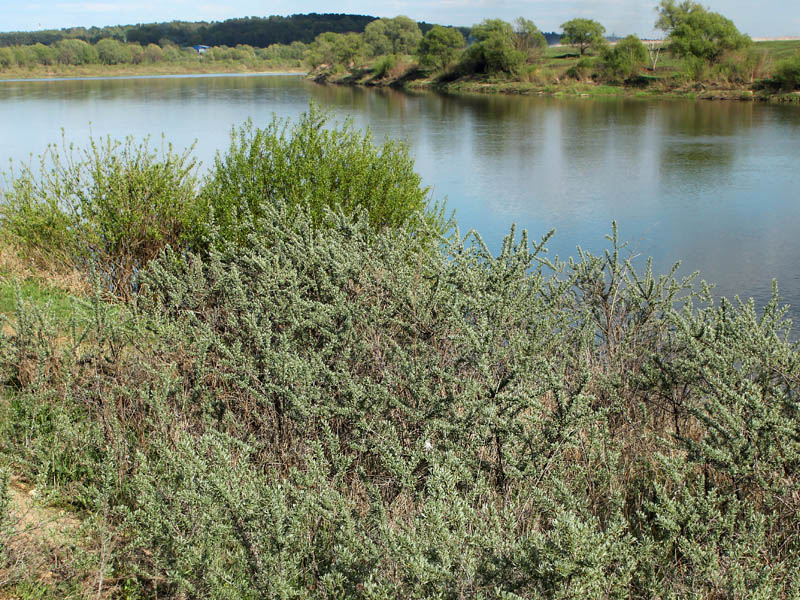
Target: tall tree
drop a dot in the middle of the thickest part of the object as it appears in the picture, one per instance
(528, 38)
(399, 35)
(696, 32)
(583, 33)
(440, 47)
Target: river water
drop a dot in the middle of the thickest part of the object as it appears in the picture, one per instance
(713, 184)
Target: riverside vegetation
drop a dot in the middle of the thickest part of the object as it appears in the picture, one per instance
(295, 378)
(704, 54)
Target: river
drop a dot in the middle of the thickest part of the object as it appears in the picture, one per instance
(713, 184)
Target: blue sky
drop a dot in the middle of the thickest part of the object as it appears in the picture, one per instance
(764, 18)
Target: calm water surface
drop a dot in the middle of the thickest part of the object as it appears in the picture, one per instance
(714, 184)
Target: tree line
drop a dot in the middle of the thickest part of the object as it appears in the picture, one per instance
(704, 44)
(258, 32)
(108, 51)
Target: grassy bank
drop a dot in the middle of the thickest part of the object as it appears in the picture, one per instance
(294, 379)
(561, 71)
(195, 67)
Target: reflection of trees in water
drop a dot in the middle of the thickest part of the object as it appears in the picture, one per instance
(701, 144)
(709, 118)
(150, 88)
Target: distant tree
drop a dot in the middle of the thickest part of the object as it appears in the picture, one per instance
(528, 38)
(378, 43)
(787, 73)
(625, 58)
(399, 35)
(494, 50)
(137, 53)
(440, 47)
(44, 55)
(153, 53)
(322, 49)
(113, 52)
(348, 48)
(671, 13)
(583, 33)
(76, 52)
(698, 33)
(6, 58)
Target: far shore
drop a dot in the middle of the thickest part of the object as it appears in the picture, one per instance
(87, 71)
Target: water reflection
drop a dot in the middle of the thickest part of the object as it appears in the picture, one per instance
(712, 183)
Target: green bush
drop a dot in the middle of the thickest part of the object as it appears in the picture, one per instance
(624, 60)
(495, 50)
(311, 414)
(315, 169)
(787, 73)
(583, 69)
(107, 209)
(384, 65)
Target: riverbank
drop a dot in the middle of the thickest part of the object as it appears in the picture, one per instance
(562, 72)
(130, 70)
(643, 87)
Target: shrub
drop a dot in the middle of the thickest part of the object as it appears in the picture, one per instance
(312, 169)
(440, 47)
(5, 518)
(384, 66)
(787, 73)
(625, 59)
(107, 209)
(583, 69)
(495, 50)
(313, 414)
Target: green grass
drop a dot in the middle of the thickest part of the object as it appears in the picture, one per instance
(35, 292)
(781, 49)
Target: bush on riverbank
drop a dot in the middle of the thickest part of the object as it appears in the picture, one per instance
(111, 208)
(787, 74)
(316, 415)
(312, 403)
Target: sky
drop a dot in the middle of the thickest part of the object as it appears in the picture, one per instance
(764, 18)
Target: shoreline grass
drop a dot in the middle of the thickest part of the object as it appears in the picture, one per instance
(198, 68)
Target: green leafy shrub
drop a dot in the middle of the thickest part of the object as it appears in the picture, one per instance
(787, 73)
(495, 51)
(312, 168)
(302, 411)
(384, 66)
(624, 60)
(583, 69)
(107, 209)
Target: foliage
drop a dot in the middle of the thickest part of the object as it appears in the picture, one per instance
(337, 49)
(583, 69)
(583, 33)
(315, 415)
(671, 14)
(76, 52)
(259, 32)
(440, 47)
(528, 38)
(107, 209)
(694, 31)
(625, 58)
(5, 517)
(310, 167)
(787, 73)
(112, 52)
(494, 50)
(399, 35)
(384, 66)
